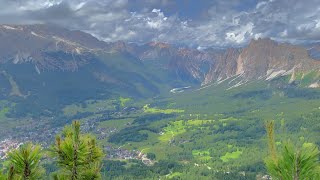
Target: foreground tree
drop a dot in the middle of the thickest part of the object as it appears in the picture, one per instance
(77, 155)
(24, 163)
(2, 176)
(291, 163)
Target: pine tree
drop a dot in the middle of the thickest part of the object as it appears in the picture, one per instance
(77, 155)
(291, 163)
(25, 163)
(2, 176)
(271, 140)
(11, 173)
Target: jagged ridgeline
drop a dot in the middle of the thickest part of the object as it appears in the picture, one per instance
(48, 66)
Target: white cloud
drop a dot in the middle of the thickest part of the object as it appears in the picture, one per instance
(38, 4)
(79, 6)
(261, 4)
(220, 23)
(240, 34)
(158, 21)
(284, 33)
(257, 36)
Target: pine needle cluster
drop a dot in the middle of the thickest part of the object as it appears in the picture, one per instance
(292, 163)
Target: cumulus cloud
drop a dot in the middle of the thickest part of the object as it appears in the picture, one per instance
(194, 23)
(239, 35)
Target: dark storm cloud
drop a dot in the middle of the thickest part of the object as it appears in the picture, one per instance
(189, 22)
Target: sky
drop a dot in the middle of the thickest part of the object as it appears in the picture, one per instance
(196, 23)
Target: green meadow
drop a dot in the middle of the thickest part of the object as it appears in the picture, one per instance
(220, 129)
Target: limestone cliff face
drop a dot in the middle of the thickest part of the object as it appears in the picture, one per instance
(265, 57)
(262, 59)
(225, 66)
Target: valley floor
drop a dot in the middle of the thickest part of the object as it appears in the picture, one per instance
(205, 133)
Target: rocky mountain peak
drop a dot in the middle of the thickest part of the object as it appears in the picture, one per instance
(39, 43)
(160, 45)
(262, 42)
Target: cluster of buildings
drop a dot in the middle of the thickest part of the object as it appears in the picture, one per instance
(120, 153)
(6, 146)
(44, 132)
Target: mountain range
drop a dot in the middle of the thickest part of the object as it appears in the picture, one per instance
(50, 63)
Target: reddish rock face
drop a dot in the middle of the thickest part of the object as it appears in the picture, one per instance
(262, 59)
(225, 66)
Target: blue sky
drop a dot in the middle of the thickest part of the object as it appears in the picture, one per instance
(197, 23)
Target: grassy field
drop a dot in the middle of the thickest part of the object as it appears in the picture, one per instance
(124, 101)
(201, 155)
(5, 107)
(3, 112)
(119, 123)
(90, 106)
(229, 156)
(173, 129)
(148, 109)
